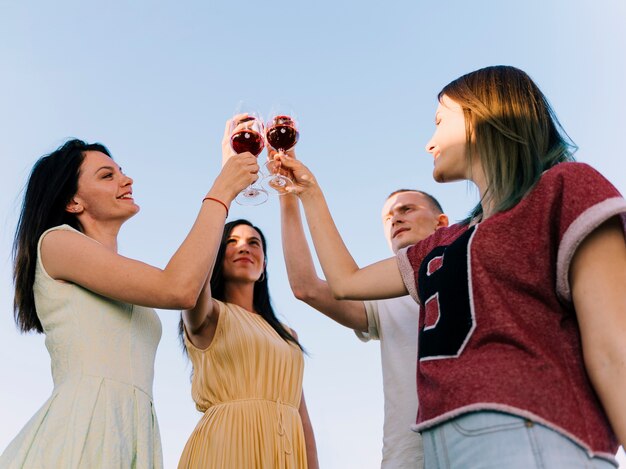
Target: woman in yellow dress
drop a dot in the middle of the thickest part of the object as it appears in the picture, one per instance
(247, 367)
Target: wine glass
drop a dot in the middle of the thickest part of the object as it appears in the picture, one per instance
(282, 135)
(246, 134)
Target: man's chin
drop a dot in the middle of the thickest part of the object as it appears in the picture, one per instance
(402, 243)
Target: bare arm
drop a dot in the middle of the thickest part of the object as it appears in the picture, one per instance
(598, 281)
(309, 436)
(304, 282)
(201, 320)
(345, 279)
(72, 257)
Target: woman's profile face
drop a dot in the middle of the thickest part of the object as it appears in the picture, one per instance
(448, 145)
(104, 192)
(244, 260)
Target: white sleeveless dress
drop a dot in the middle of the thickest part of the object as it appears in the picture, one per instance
(100, 414)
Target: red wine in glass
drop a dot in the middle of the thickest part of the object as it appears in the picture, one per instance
(247, 140)
(282, 135)
(247, 136)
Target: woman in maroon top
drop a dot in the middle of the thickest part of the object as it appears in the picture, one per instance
(523, 307)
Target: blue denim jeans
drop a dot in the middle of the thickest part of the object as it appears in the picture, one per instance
(495, 440)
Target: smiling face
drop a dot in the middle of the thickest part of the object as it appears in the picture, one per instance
(448, 145)
(409, 217)
(104, 191)
(244, 260)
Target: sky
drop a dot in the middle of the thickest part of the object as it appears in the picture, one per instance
(155, 81)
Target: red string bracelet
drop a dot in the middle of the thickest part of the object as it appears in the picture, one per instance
(218, 201)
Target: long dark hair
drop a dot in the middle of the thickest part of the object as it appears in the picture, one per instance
(51, 185)
(517, 134)
(261, 296)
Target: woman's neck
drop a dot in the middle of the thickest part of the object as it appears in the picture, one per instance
(487, 206)
(105, 234)
(486, 197)
(240, 294)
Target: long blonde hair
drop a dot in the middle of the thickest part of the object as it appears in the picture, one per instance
(511, 127)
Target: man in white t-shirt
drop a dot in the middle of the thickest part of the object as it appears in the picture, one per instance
(408, 217)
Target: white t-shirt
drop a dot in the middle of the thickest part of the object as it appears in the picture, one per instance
(394, 323)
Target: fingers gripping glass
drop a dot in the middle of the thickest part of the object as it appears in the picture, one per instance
(282, 135)
(246, 135)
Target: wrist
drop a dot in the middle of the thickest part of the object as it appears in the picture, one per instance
(218, 200)
(288, 198)
(312, 194)
(222, 192)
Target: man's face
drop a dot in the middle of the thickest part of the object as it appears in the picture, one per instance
(408, 217)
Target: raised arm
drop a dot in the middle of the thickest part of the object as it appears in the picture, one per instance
(598, 282)
(345, 279)
(72, 257)
(304, 282)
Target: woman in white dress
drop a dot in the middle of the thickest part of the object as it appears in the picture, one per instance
(94, 306)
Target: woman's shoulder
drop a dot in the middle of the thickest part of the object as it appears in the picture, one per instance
(58, 230)
(574, 181)
(63, 232)
(64, 227)
(571, 171)
(55, 230)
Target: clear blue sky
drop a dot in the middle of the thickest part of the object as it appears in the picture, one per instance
(154, 81)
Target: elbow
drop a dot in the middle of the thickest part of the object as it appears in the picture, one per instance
(188, 302)
(310, 291)
(341, 296)
(184, 298)
(338, 292)
(302, 293)
(303, 288)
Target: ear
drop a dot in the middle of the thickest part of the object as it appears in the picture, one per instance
(74, 207)
(442, 221)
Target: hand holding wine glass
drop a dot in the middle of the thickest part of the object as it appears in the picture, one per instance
(245, 135)
(238, 172)
(281, 135)
(302, 179)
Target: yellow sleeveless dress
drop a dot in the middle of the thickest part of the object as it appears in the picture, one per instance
(248, 383)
